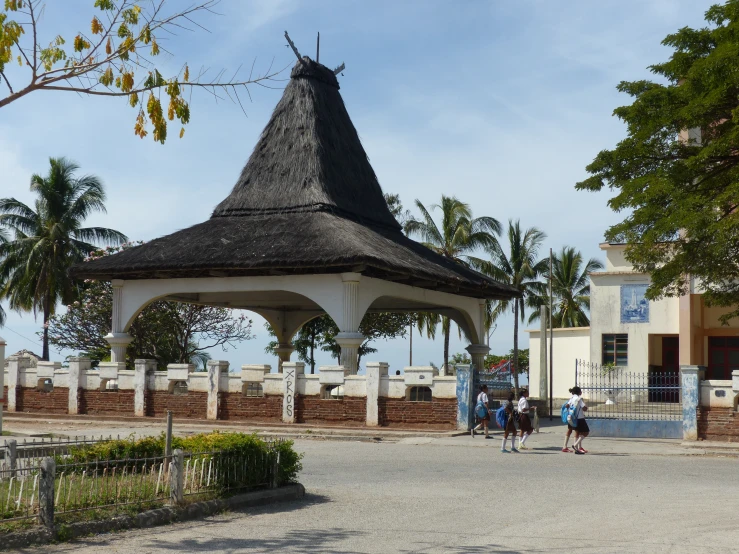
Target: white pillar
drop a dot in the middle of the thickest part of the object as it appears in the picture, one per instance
(477, 353)
(290, 372)
(2, 380)
(118, 338)
(76, 367)
(141, 369)
(350, 339)
(283, 351)
(215, 369)
(375, 372)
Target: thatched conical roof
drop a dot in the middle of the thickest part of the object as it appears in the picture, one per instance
(307, 201)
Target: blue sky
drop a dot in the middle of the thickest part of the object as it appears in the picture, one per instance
(502, 104)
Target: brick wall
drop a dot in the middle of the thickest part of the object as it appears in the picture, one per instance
(193, 405)
(349, 409)
(95, 402)
(5, 398)
(718, 424)
(235, 406)
(34, 400)
(440, 413)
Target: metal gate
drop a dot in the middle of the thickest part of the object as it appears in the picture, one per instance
(630, 404)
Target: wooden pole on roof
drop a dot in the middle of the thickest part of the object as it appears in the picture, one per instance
(318, 47)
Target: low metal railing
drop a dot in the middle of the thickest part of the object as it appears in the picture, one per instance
(24, 455)
(111, 483)
(18, 496)
(614, 393)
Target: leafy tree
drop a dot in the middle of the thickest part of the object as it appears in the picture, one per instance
(521, 269)
(676, 174)
(321, 333)
(570, 289)
(459, 236)
(48, 241)
(116, 57)
(396, 208)
(169, 332)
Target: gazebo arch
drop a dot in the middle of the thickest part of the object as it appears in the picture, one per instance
(305, 231)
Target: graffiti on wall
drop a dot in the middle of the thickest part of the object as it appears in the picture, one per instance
(634, 306)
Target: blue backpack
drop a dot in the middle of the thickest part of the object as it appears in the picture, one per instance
(480, 410)
(569, 415)
(501, 417)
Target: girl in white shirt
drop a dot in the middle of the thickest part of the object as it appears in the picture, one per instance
(524, 422)
(581, 428)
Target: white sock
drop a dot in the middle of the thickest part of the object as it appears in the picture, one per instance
(523, 440)
(478, 427)
(578, 440)
(513, 441)
(503, 445)
(567, 439)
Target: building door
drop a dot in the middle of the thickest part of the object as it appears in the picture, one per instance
(723, 357)
(663, 382)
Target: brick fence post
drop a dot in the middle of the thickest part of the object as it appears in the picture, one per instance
(215, 369)
(76, 367)
(46, 492)
(290, 371)
(375, 372)
(690, 385)
(141, 369)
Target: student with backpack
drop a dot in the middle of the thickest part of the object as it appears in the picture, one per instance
(576, 421)
(504, 419)
(524, 422)
(565, 415)
(482, 411)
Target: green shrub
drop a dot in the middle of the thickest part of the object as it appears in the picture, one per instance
(250, 451)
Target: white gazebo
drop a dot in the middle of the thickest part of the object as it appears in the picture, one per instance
(305, 231)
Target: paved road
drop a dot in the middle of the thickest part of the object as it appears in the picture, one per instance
(462, 495)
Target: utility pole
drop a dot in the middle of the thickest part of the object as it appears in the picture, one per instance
(551, 339)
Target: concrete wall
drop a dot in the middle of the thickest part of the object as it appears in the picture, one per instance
(570, 344)
(218, 394)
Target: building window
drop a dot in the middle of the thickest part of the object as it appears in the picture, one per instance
(179, 387)
(332, 392)
(723, 357)
(253, 389)
(45, 385)
(419, 394)
(616, 349)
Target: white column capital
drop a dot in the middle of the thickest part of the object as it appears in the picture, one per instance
(118, 343)
(351, 277)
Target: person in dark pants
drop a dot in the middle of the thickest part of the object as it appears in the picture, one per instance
(581, 429)
(510, 427)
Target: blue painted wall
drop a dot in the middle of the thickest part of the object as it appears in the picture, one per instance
(631, 429)
(464, 397)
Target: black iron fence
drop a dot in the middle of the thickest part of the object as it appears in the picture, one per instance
(611, 392)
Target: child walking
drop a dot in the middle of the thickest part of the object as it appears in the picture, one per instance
(570, 428)
(510, 428)
(524, 422)
(482, 400)
(581, 429)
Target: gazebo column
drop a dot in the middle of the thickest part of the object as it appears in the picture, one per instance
(118, 339)
(350, 339)
(284, 350)
(477, 354)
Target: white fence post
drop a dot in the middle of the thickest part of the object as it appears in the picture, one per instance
(176, 477)
(46, 492)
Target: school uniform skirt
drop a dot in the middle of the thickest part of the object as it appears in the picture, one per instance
(524, 424)
(510, 425)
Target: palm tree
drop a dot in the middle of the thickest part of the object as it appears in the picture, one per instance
(47, 241)
(570, 289)
(521, 269)
(459, 236)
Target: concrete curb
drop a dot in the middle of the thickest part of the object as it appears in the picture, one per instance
(152, 518)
